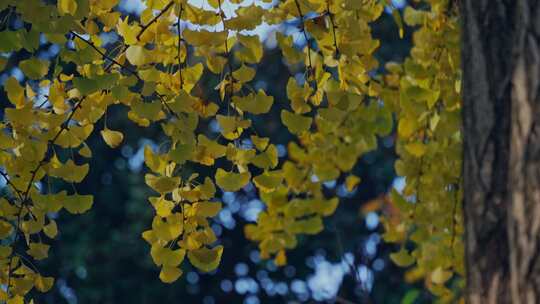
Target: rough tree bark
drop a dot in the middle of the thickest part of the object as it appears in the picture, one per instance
(501, 116)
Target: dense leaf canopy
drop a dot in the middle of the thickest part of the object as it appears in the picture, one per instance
(340, 101)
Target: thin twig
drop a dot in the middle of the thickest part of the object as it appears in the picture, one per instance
(11, 184)
(303, 29)
(10, 262)
(454, 222)
(90, 43)
(146, 26)
(180, 40)
(229, 64)
(331, 17)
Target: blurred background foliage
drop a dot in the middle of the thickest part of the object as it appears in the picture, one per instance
(100, 257)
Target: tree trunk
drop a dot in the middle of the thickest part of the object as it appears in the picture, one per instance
(501, 116)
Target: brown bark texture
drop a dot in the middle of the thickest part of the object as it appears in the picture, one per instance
(501, 166)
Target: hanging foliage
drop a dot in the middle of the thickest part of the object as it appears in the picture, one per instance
(336, 112)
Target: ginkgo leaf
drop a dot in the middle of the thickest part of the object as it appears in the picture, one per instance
(295, 123)
(67, 7)
(406, 127)
(69, 171)
(167, 256)
(38, 251)
(208, 190)
(281, 258)
(244, 73)
(137, 55)
(169, 274)
(5, 229)
(287, 48)
(77, 204)
(351, 181)
(254, 103)
(5, 251)
(96, 83)
(206, 209)
(230, 181)
(85, 151)
(440, 276)
(402, 258)
(15, 300)
(417, 149)
(112, 138)
(34, 68)
(15, 92)
(169, 228)
(267, 159)
(163, 207)
(252, 49)
(232, 126)
(260, 142)
(51, 230)
(43, 284)
(154, 161)
(206, 259)
(162, 184)
(128, 32)
(312, 225)
(268, 181)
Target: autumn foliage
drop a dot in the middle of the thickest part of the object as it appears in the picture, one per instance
(336, 112)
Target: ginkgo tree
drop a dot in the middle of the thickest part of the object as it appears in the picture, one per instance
(336, 112)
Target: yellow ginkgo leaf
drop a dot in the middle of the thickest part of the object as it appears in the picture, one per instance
(77, 204)
(208, 190)
(406, 127)
(163, 207)
(169, 228)
(351, 181)
(281, 258)
(169, 274)
(416, 148)
(167, 256)
(440, 276)
(34, 68)
(260, 142)
(256, 104)
(153, 160)
(15, 92)
(402, 258)
(244, 73)
(112, 138)
(51, 230)
(67, 7)
(69, 171)
(43, 284)
(296, 123)
(267, 159)
(162, 184)
(206, 259)
(206, 209)
(268, 181)
(230, 181)
(137, 55)
(232, 126)
(312, 225)
(38, 251)
(15, 300)
(85, 151)
(128, 32)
